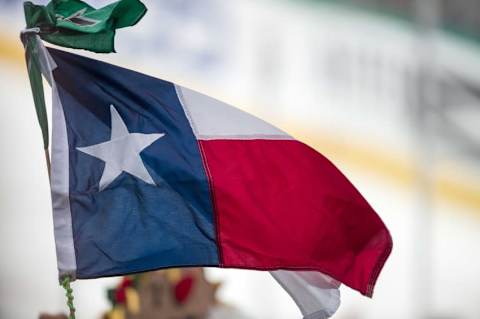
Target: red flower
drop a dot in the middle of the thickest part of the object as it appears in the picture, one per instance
(183, 289)
(120, 296)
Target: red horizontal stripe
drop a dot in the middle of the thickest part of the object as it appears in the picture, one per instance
(282, 205)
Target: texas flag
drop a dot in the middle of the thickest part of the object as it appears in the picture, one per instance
(147, 174)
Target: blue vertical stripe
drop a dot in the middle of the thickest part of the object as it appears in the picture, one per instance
(133, 226)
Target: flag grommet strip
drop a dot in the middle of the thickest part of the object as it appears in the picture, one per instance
(62, 217)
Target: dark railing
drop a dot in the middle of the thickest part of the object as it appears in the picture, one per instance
(458, 17)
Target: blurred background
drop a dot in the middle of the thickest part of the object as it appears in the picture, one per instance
(388, 90)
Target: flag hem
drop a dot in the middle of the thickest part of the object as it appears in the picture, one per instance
(60, 187)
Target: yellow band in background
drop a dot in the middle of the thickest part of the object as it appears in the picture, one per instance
(11, 49)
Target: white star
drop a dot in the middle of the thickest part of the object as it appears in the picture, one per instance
(122, 152)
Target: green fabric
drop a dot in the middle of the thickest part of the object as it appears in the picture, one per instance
(75, 24)
(72, 24)
(35, 75)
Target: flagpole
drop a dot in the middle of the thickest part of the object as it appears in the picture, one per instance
(56, 24)
(32, 54)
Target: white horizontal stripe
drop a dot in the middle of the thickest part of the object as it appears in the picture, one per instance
(213, 119)
(316, 295)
